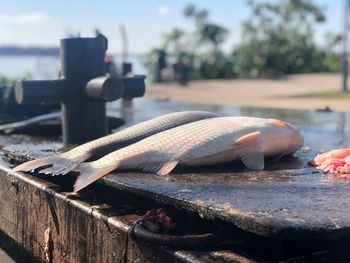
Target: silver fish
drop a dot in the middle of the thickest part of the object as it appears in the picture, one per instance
(65, 162)
(204, 142)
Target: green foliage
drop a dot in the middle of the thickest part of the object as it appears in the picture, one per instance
(7, 98)
(321, 95)
(278, 39)
(149, 61)
(200, 16)
(200, 48)
(213, 34)
(214, 66)
(173, 40)
(8, 82)
(208, 33)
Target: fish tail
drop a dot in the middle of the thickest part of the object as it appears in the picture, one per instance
(63, 166)
(89, 174)
(35, 164)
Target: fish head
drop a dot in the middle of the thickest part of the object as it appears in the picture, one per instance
(280, 137)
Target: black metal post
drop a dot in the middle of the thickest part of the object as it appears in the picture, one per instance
(82, 90)
(83, 119)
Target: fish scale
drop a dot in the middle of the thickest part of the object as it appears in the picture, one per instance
(68, 161)
(202, 142)
(145, 129)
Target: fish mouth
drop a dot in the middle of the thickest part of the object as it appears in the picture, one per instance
(296, 138)
(300, 141)
(292, 127)
(297, 142)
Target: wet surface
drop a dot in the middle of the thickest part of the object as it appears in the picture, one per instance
(47, 124)
(288, 200)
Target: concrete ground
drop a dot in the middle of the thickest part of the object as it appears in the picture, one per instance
(260, 93)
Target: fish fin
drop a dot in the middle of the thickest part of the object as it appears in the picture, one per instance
(160, 168)
(253, 160)
(47, 171)
(280, 123)
(248, 140)
(277, 123)
(64, 165)
(89, 174)
(250, 152)
(59, 170)
(167, 167)
(30, 166)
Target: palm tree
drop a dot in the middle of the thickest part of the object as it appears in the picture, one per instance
(207, 32)
(172, 40)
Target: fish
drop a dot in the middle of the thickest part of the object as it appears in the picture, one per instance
(335, 161)
(204, 142)
(65, 162)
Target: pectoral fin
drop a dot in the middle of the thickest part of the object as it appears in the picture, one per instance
(250, 152)
(253, 160)
(248, 140)
(160, 168)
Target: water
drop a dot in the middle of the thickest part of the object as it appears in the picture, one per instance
(47, 67)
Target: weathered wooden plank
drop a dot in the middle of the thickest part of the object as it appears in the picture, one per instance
(82, 228)
(80, 232)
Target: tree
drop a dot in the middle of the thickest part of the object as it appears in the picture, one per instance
(208, 38)
(209, 33)
(172, 40)
(278, 39)
(201, 49)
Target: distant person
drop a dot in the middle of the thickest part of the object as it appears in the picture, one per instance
(126, 69)
(161, 64)
(182, 69)
(110, 66)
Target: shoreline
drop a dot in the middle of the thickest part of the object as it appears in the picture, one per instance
(258, 93)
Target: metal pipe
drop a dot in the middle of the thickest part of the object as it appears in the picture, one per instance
(106, 88)
(134, 86)
(34, 91)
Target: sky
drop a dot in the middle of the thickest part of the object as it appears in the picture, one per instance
(44, 22)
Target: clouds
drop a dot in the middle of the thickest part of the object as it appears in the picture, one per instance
(31, 28)
(163, 10)
(35, 18)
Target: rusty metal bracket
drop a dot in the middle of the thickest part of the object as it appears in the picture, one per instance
(150, 226)
(190, 240)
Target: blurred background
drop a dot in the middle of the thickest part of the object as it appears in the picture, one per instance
(280, 53)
